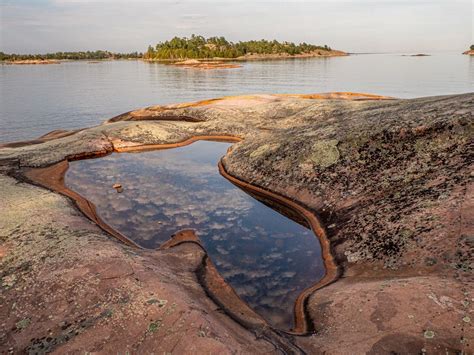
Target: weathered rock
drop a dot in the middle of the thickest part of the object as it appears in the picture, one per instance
(390, 178)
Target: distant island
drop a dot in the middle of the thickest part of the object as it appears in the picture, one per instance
(470, 51)
(54, 58)
(193, 52)
(198, 47)
(416, 55)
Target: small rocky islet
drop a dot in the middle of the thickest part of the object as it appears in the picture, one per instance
(390, 181)
(470, 51)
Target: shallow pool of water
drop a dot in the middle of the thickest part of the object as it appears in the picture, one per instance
(268, 258)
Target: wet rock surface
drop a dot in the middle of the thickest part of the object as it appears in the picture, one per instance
(390, 179)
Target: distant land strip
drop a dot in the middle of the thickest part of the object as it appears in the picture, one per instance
(188, 48)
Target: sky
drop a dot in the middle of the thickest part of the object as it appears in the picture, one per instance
(39, 26)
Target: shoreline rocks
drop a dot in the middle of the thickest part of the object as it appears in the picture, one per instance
(251, 57)
(205, 64)
(314, 54)
(33, 61)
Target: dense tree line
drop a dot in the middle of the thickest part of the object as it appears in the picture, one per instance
(184, 48)
(472, 47)
(94, 55)
(200, 47)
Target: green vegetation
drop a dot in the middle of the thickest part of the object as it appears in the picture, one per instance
(195, 47)
(90, 55)
(472, 47)
(218, 47)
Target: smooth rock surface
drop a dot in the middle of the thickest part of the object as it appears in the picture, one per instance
(390, 179)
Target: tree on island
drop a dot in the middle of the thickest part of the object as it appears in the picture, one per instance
(218, 47)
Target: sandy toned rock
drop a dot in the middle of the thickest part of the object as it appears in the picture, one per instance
(206, 64)
(34, 61)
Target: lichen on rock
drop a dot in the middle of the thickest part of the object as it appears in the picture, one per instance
(264, 150)
(325, 153)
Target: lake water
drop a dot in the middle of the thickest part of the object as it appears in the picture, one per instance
(267, 258)
(36, 99)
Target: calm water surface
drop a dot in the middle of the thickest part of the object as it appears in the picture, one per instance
(37, 99)
(266, 257)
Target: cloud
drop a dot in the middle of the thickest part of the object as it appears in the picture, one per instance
(193, 16)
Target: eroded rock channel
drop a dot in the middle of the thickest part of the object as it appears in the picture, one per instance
(266, 257)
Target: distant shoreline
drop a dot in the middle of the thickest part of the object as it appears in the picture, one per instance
(226, 63)
(416, 55)
(59, 61)
(252, 57)
(209, 63)
(32, 62)
(199, 63)
(314, 54)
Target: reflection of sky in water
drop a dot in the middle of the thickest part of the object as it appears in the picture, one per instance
(267, 258)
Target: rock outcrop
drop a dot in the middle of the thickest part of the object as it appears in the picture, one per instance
(391, 181)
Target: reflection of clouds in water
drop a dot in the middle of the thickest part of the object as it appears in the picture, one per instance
(146, 211)
(273, 256)
(266, 258)
(175, 164)
(218, 226)
(247, 290)
(277, 293)
(258, 274)
(222, 251)
(223, 264)
(121, 205)
(246, 237)
(161, 189)
(232, 273)
(182, 221)
(248, 259)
